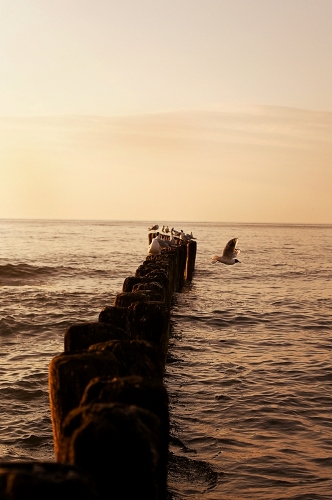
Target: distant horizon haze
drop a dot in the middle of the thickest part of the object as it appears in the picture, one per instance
(168, 110)
(253, 164)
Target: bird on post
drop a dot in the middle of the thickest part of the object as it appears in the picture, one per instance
(154, 247)
(229, 254)
(174, 232)
(153, 228)
(163, 243)
(183, 236)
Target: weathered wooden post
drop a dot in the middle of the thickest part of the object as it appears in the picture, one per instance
(69, 373)
(119, 447)
(81, 335)
(110, 399)
(44, 480)
(191, 257)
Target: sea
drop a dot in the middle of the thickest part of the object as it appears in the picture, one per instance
(249, 367)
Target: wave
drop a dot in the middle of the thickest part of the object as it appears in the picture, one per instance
(183, 470)
(27, 274)
(285, 320)
(20, 274)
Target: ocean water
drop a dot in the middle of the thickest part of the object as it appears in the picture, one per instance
(249, 371)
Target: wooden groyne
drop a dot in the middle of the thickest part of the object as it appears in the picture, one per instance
(109, 406)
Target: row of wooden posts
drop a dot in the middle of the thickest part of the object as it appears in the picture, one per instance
(109, 406)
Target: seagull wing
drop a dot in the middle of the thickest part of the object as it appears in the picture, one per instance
(230, 250)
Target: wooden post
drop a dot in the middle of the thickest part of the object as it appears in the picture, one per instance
(81, 336)
(191, 257)
(68, 376)
(44, 480)
(120, 447)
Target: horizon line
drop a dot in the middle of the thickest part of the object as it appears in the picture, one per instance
(40, 219)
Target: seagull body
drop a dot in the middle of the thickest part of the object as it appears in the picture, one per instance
(172, 242)
(154, 247)
(229, 254)
(162, 241)
(183, 236)
(190, 236)
(154, 228)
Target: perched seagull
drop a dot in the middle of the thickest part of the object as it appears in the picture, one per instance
(172, 242)
(165, 243)
(162, 242)
(175, 232)
(229, 254)
(154, 247)
(154, 228)
(190, 236)
(183, 236)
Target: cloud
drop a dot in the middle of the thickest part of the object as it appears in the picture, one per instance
(253, 164)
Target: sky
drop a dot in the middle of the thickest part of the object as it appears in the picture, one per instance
(166, 110)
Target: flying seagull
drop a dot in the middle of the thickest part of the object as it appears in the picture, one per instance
(229, 254)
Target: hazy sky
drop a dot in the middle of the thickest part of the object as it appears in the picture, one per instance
(159, 110)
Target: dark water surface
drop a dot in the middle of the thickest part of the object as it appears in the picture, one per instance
(249, 374)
